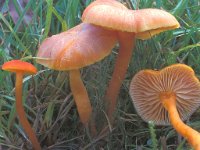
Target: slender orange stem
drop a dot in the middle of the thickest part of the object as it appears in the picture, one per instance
(126, 41)
(187, 132)
(21, 113)
(80, 96)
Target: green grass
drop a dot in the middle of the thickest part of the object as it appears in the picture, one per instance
(49, 102)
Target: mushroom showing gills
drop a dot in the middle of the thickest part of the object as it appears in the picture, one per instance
(168, 96)
(130, 24)
(76, 48)
(21, 68)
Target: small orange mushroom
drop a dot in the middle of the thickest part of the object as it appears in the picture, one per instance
(76, 48)
(168, 96)
(20, 68)
(130, 24)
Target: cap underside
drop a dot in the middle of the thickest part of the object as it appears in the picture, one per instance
(146, 86)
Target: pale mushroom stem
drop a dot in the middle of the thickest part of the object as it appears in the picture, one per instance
(21, 113)
(187, 132)
(126, 42)
(80, 96)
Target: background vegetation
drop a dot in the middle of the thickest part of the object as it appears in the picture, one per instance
(49, 102)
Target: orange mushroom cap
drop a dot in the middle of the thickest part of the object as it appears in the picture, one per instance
(144, 22)
(78, 47)
(147, 85)
(19, 66)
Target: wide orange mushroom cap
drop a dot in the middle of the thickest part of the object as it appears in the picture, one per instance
(129, 25)
(144, 22)
(147, 86)
(19, 66)
(78, 47)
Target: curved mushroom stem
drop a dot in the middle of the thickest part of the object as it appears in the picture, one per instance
(126, 42)
(80, 96)
(169, 101)
(21, 113)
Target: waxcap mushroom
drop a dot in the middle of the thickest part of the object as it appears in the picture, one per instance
(19, 66)
(129, 25)
(144, 22)
(71, 50)
(147, 85)
(78, 47)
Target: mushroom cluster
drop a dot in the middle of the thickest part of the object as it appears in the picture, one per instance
(168, 96)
